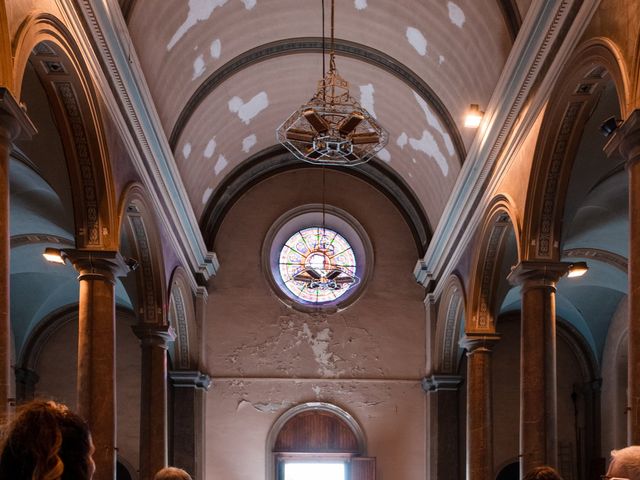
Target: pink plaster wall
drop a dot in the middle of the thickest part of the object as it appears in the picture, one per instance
(368, 359)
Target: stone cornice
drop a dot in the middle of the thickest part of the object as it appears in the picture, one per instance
(547, 37)
(119, 77)
(14, 117)
(190, 379)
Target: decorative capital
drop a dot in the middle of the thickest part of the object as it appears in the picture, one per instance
(625, 140)
(536, 273)
(479, 342)
(436, 383)
(98, 264)
(13, 117)
(190, 379)
(154, 335)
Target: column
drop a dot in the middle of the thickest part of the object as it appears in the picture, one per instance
(26, 381)
(96, 351)
(189, 395)
(443, 453)
(479, 412)
(538, 386)
(625, 143)
(153, 400)
(13, 122)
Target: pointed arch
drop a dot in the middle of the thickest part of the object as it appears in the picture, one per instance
(138, 223)
(62, 69)
(593, 65)
(450, 317)
(500, 220)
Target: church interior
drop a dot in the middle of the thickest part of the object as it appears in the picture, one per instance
(246, 282)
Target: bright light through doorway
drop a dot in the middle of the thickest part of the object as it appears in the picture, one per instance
(314, 471)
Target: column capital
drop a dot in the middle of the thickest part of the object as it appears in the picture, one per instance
(98, 264)
(537, 273)
(190, 379)
(625, 140)
(154, 335)
(439, 382)
(14, 118)
(479, 342)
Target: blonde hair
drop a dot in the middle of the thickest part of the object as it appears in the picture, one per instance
(172, 473)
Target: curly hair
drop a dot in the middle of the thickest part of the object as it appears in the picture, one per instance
(46, 441)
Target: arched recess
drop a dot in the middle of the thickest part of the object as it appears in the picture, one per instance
(450, 318)
(139, 232)
(182, 317)
(500, 221)
(580, 86)
(294, 422)
(60, 66)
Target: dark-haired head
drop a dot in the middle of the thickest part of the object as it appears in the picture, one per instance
(542, 473)
(46, 441)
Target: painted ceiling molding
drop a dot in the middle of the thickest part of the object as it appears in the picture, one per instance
(276, 160)
(610, 258)
(35, 238)
(290, 46)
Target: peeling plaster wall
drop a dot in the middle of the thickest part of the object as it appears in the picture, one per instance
(265, 357)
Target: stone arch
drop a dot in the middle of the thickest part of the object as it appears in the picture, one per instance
(138, 223)
(62, 69)
(450, 315)
(500, 220)
(338, 413)
(182, 318)
(578, 89)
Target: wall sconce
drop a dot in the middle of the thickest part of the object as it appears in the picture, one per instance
(577, 269)
(55, 255)
(473, 117)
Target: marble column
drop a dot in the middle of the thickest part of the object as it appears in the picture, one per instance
(96, 350)
(625, 142)
(13, 122)
(154, 341)
(189, 395)
(443, 452)
(26, 381)
(538, 385)
(479, 464)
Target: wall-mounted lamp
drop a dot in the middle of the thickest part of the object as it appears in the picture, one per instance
(54, 255)
(577, 269)
(474, 116)
(609, 126)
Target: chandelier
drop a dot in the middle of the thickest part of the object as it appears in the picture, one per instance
(332, 128)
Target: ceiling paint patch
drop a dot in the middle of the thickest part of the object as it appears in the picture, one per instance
(427, 144)
(186, 150)
(247, 111)
(249, 142)
(249, 4)
(433, 122)
(206, 195)
(417, 40)
(198, 67)
(220, 164)
(366, 98)
(360, 4)
(210, 148)
(384, 155)
(199, 10)
(402, 140)
(215, 49)
(441, 59)
(456, 15)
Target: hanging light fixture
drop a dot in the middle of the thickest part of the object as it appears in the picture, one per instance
(332, 128)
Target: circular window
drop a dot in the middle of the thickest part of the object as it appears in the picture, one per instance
(317, 257)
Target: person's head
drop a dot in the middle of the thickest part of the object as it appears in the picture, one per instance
(542, 473)
(625, 463)
(172, 473)
(46, 441)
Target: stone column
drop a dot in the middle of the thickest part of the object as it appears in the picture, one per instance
(625, 143)
(538, 386)
(189, 396)
(443, 455)
(26, 381)
(13, 122)
(96, 350)
(479, 409)
(153, 405)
